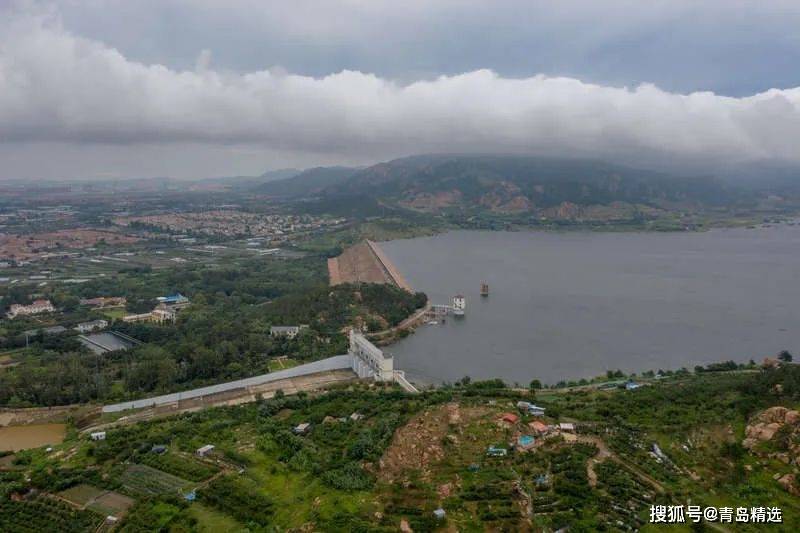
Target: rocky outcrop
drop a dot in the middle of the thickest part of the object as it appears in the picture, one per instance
(789, 484)
(765, 425)
(775, 433)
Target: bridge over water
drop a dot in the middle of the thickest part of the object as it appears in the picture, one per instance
(364, 358)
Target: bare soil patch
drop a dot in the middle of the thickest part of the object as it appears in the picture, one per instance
(418, 445)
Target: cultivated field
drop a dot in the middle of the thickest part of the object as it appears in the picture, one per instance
(145, 480)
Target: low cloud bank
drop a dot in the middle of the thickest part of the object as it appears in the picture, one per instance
(55, 86)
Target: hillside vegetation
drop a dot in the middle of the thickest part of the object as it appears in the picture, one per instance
(400, 457)
(487, 190)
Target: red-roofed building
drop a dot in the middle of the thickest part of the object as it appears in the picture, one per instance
(539, 427)
(511, 418)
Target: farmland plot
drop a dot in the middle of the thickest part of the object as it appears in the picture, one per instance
(142, 479)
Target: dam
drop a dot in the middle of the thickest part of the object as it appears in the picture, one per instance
(365, 262)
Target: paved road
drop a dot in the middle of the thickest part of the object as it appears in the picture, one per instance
(337, 362)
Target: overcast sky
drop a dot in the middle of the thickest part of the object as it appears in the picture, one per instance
(199, 88)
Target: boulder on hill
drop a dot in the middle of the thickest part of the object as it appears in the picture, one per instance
(765, 427)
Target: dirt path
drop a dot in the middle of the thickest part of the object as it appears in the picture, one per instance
(409, 322)
(604, 453)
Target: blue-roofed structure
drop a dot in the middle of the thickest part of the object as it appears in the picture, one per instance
(173, 299)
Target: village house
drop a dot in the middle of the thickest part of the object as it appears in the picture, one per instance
(566, 427)
(141, 317)
(37, 307)
(176, 301)
(205, 450)
(163, 313)
(538, 427)
(166, 310)
(530, 409)
(94, 325)
(286, 331)
(98, 435)
(509, 418)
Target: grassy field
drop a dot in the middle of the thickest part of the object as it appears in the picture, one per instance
(179, 466)
(300, 497)
(115, 314)
(81, 494)
(282, 363)
(212, 521)
(111, 503)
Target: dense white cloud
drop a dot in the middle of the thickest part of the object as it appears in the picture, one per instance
(59, 87)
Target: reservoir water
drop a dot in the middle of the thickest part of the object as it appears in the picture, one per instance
(15, 438)
(573, 305)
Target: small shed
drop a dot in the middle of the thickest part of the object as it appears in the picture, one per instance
(567, 427)
(98, 435)
(301, 429)
(535, 410)
(439, 513)
(158, 449)
(356, 417)
(205, 450)
(493, 451)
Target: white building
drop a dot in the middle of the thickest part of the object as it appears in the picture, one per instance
(205, 450)
(459, 304)
(37, 307)
(286, 331)
(369, 360)
(163, 313)
(301, 429)
(94, 325)
(142, 317)
(99, 435)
